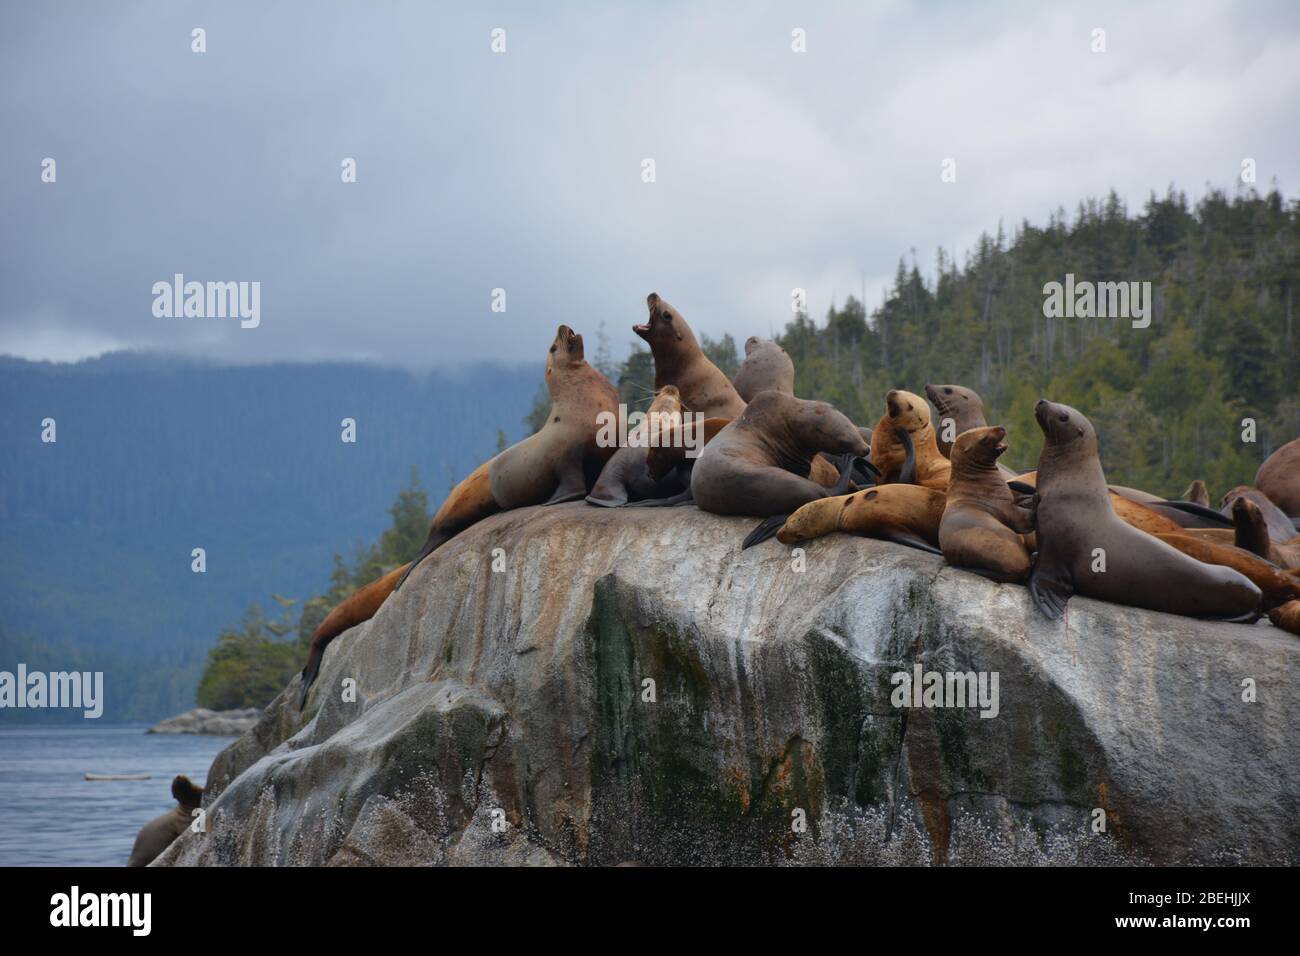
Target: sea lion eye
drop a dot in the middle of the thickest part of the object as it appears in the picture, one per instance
(947, 391)
(552, 348)
(667, 317)
(1065, 417)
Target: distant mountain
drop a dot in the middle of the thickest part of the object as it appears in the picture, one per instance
(156, 456)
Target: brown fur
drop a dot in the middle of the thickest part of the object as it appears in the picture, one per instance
(159, 833)
(1279, 478)
(899, 513)
(680, 361)
(1286, 616)
(983, 529)
(671, 452)
(912, 413)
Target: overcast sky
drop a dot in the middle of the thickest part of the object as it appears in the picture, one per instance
(523, 170)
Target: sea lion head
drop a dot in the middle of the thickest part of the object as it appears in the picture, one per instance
(752, 343)
(818, 426)
(1063, 425)
(186, 794)
(980, 446)
(906, 410)
(813, 520)
(953, 400)
(665, 324)
(566, 351)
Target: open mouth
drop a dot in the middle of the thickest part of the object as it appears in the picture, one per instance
(642, 330)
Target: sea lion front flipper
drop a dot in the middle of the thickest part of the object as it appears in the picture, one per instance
(1049, 590)
(606, 502)
(865, 474)
(681, 498)
(1021, 487)
(766, 528)
(908, 475)
(910, 540)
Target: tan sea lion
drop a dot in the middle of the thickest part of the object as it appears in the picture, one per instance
(680, 361)
(766, 366)
(1078, 531)
(1286, 616)
(1276, 586)
(904, 514)
(1279, 478)
(558, 463)
(983, 529)
(758, 464)
(907, 422)
(1197, 494)
(1280, 528)
(625, 478)
(158, 834)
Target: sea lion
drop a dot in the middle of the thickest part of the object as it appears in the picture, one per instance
(983, 528)
(556, 464)
(904, 514)
(1276, 586)
(962, 406)
(910, 414)
(766, 366)
(1279, 478)
(1280, 527)
(1197, 494)
(1144, 517)
(680, 361)
(1252, 531)
(624, 477)
(158, 834)
(1286, 616)
(758, 464)
(1074, 519)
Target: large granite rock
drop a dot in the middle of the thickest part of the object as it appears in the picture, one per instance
(505, 716)
(200, 720)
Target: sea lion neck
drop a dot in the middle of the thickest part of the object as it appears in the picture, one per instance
(973, 472)
(1073, 469)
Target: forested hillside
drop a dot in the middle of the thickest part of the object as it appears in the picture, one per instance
(1167, 400)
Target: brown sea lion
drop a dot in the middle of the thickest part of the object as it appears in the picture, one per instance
(983, 529)
(758, 464)
(1279, 478)
(680, 361)
(1078, 531)
(1197, 494)
(766, 366)
(909, 414)
(558, 463)
(1276, 586)
(1286, 616)
(624, 477)
(158, 834)
(1253, 531)
(955, 403)
(1280, 528)
(1143, 517)
(904, 514)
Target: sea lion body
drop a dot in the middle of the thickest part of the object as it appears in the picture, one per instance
(159, 833)
(904, 514)
(1280, 527)
(766, 366)
(679, 361)
(558, 463)
(910, 413)
(625, 477)
(1279, 478)
(758, 464)
(983, 529)
(1141, 516)
(1276, 586)
(1286, 616)
(1074, 518)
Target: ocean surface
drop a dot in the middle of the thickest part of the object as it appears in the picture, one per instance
(50, 815)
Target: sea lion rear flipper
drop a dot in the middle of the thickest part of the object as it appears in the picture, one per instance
(910, 540)
(1192, 508)
(908, 475)
(766, 528)
(1049, 590)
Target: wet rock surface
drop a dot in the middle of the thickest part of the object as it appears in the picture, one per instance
(631, 686)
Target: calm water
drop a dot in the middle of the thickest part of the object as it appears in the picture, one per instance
(50, 815)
